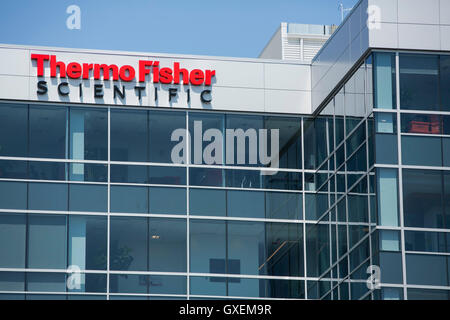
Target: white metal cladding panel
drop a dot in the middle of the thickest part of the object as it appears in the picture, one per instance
(292, 49)
(311, 47)
(240, 84)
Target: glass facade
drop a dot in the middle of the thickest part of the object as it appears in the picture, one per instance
(96, 188)
(382, 182)
(364, 184)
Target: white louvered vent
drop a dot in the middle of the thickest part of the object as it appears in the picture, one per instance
(292, 49)
(311, 47)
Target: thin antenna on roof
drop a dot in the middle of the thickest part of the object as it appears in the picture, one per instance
(343, 10)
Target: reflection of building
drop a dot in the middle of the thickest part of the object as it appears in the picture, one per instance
(87, 177)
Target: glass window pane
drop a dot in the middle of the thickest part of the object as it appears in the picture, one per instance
(250, 126)
(290, 140)
(129, 135)
(392, 294)
(199, 123)
(88, 134)
(87, 242)
(206, 177)
(425, 241)
(12, 296)
(162, 125)
(85, 297)
(47, 170)
(46, 282)
(421, 151)
(129, 174)
(213, 286)
(358, 210)
(128, 199)
(356, 139)
(47, 196)
(129, 239)
(95, 283)
(428, 294)
(47, 241)
(339, 105)
(384, 80)
(419, 82)
(13, 195)
(167, 200)
(243, 178)
(422, 198)
(386, 122)
(47, 131)
(167, 246)
(13, 130)
(249, 204)
(207, 242)
(444, 82)
(13, 169)
(284, 205)
(435, 266)
(391, 267)
(284, 250)
(446, 152)
(88, 172)
(87, 197)
(386, 151)
(160, 284)
(12, 281)
(12, 240)
(283, 181)
(354, 99)
(128, 283)
(447, 199)
(45, 296)
(207, 202)
(167, 175)
(422, 123)
(389, 240)
(320, 132)
(246, 244)
(387, 197)
(356, 233)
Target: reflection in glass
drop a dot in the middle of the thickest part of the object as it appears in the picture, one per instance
(167, 200)
(87, 242)
(129, 135)
(419, 82)
(12, 240)
(47, 129)
(90, 198)
(13, 130)
(162, 124)
(88, 134)
(129, 243)
(422, 198)
(167, 245)
(47, 241)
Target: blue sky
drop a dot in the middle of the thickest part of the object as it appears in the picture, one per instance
(236, 28)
